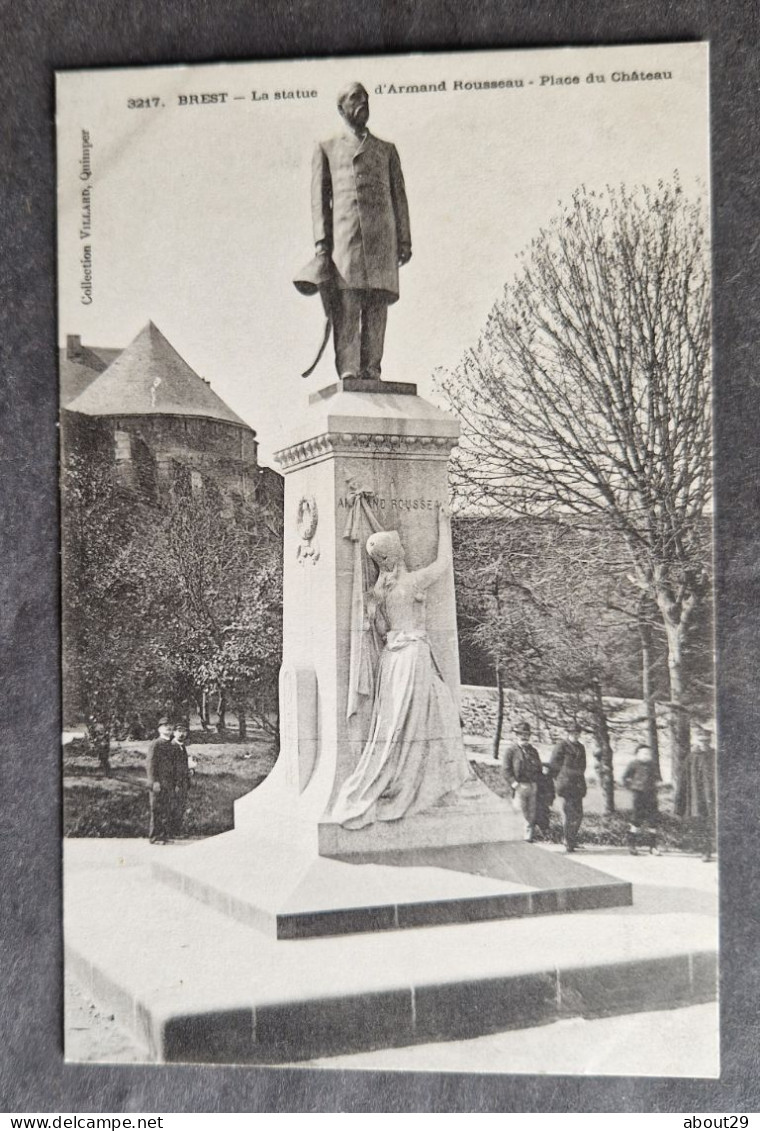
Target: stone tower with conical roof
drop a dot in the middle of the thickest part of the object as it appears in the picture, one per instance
(162, 427)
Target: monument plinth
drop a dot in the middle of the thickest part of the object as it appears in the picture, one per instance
(361, 462)
(367, 472)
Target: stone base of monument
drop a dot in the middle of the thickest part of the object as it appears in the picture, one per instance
(194, 983)
(239, 951)
(365, 385)
(268, 875)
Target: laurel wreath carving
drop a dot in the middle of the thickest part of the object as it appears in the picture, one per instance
(307, 517)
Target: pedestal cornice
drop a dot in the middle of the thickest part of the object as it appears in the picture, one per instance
(370, 425)
(364, 444)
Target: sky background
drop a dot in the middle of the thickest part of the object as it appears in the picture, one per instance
(201, 214)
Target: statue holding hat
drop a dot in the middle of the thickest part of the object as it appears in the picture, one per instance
(414, 754)
(362, 237)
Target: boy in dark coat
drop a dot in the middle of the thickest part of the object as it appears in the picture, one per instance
(100, 743)
(544, 798)
(640, 778)
(181, 784)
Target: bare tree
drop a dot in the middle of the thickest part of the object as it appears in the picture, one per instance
(490, 602)
(541, 599)
(589, 394)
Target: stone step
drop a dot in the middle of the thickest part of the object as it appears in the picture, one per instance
(387, 891)
(194, 985)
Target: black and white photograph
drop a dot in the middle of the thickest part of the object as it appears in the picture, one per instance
(387, 583)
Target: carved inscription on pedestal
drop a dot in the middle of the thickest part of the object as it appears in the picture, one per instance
(392, 505)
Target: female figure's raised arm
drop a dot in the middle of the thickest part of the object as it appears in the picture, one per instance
(429, 574)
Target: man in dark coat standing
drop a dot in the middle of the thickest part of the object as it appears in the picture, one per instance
(523, 768)
(568, 768)
(160, 773)
(361, 223)
(701, 783)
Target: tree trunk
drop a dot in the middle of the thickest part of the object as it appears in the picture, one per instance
(602, 735)
(499, 713)
(221, 721)
(680, 723)
(242, 727)
(203, 710)
(647, 692)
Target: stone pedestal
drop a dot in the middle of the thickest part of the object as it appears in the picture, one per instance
(394, 447)
(287, 869)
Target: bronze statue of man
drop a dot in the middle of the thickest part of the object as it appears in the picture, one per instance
(361, 231)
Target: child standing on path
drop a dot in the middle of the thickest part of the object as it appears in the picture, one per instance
(640, 778)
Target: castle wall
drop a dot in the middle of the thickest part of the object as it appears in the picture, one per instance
(157, 455)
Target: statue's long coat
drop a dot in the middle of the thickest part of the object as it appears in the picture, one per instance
(360, 212)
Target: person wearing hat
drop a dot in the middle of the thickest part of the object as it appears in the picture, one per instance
(160, 772)
(181, 775)
(362, 236)
(701, 789)
(568, 767)
(523, 768)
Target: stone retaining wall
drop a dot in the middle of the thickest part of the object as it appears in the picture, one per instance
(626, 720)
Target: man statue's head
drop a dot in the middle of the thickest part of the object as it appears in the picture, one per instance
(353, 105)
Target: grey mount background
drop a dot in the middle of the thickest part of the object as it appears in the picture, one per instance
(55, 34)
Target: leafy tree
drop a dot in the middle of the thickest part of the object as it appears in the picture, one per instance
(588, 394)
(164, 603)
(107, 655)
(216, 585)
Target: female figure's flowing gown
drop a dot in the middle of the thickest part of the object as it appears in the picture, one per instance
(414, 754)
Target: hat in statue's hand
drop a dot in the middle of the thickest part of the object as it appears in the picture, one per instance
(317, 273)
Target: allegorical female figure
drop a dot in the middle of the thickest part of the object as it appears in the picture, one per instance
(414, 754)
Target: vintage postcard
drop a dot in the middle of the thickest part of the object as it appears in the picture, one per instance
(386, 411)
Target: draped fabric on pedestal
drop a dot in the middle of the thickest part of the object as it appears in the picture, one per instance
(365, 644)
